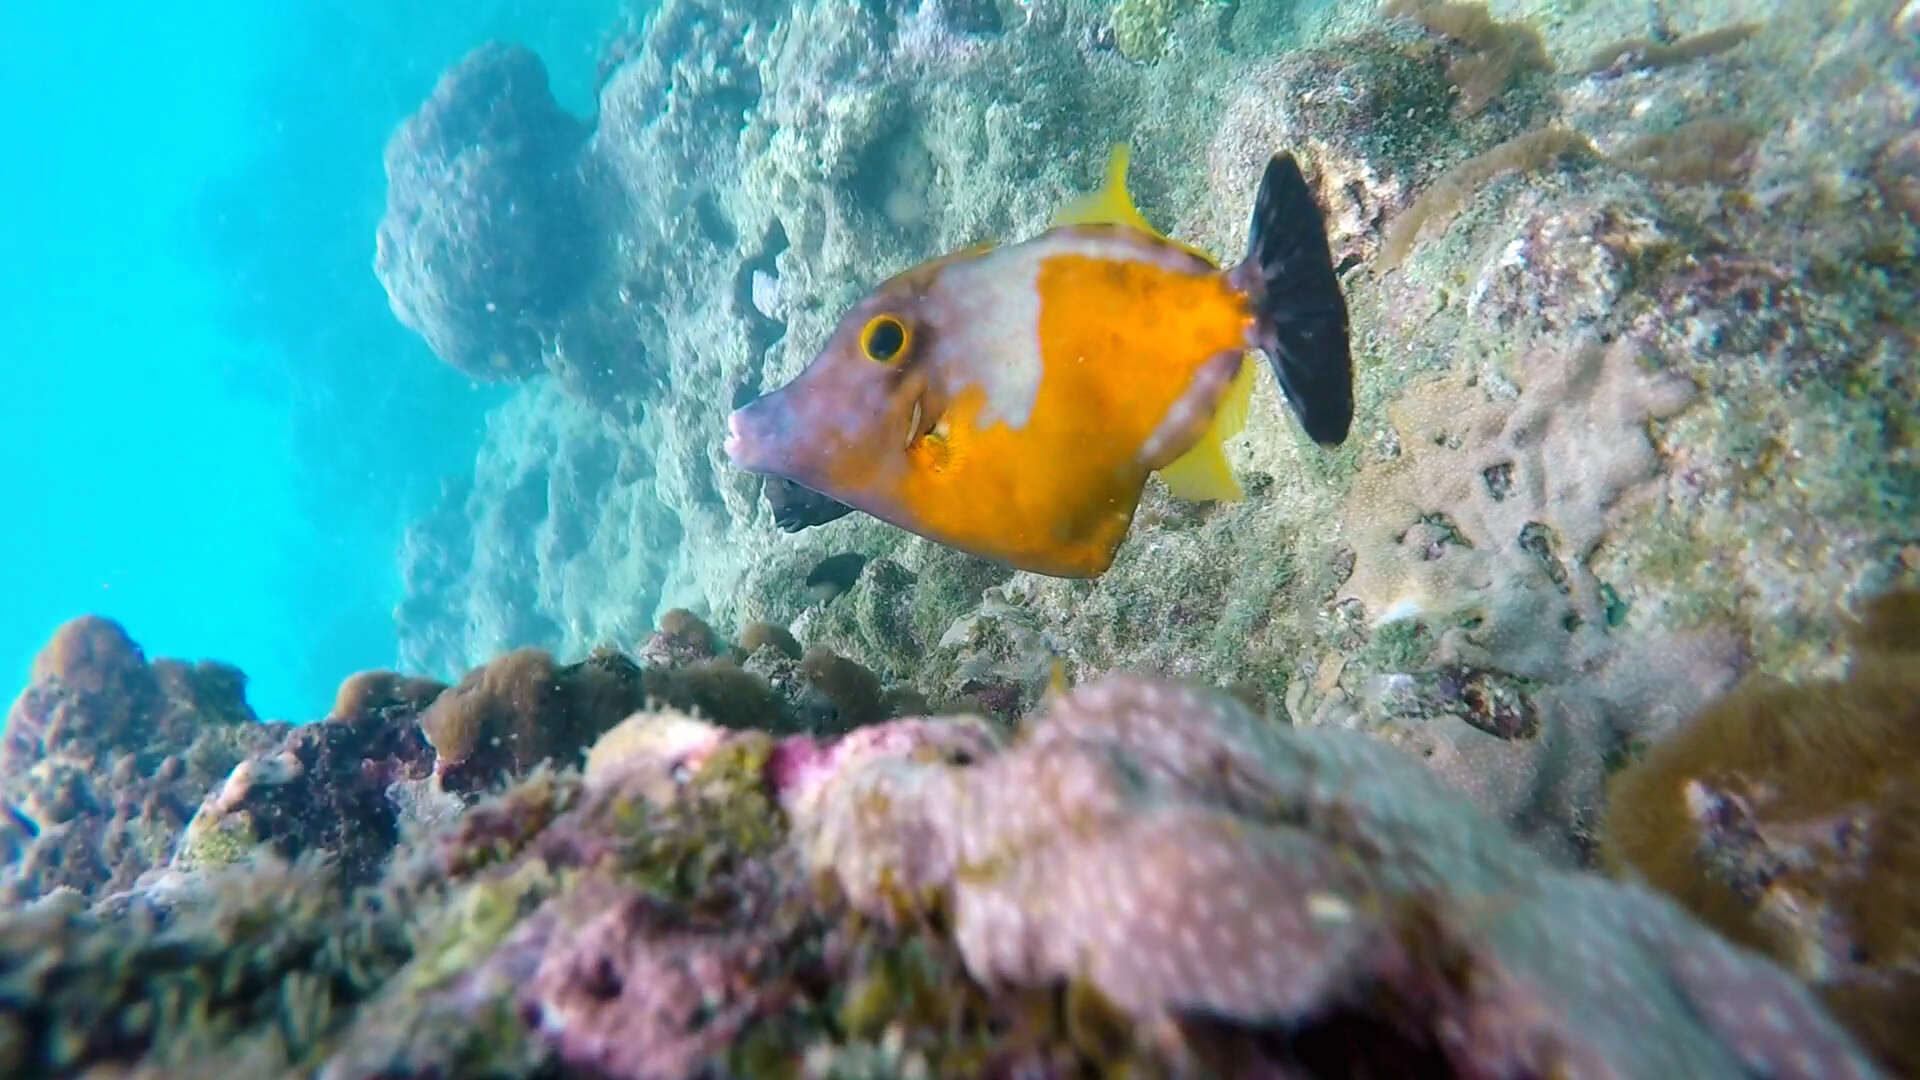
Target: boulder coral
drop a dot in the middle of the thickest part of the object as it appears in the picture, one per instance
(486, 232)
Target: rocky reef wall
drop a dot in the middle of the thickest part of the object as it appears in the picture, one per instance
(1631, 307)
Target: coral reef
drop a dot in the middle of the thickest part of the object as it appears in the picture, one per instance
(1634, 342)
(487, 232)
(1151, 879)
(1783, 816)
(105, 755)
(1732, 213)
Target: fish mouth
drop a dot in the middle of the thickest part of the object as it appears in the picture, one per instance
(736, 439)
(743, 448)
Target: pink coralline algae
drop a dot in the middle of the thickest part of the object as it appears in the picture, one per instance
(1188, 859)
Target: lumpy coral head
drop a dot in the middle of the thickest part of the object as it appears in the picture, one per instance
(1190, 863)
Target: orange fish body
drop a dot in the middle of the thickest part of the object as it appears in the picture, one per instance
(1010, 402)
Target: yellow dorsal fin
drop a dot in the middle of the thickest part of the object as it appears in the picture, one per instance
(1111, 205)
(1201, 473)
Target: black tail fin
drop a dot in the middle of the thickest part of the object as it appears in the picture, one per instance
(1301, 317)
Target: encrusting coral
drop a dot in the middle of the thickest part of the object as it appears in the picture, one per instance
(1785, 817)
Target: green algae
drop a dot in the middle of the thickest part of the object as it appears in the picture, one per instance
(476, 918)
(1141, 28)
(1401, 645)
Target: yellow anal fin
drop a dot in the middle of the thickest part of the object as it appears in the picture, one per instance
(1111, 205)
(1056, 681)
(1202, 473)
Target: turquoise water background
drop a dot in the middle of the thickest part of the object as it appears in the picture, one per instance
(214, 431)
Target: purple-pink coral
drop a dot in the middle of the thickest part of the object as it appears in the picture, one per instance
(1186, 858)
(1227, 895)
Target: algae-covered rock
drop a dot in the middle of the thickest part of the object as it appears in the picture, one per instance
(105, 755)
(1149, 877)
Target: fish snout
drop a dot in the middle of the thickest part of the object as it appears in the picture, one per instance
(736, 437)
(753, 441)
(740, 442)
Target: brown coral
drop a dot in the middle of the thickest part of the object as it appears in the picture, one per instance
(521, 709)
(1640, 52)
(105, 755)
(1708, 150)
(1492, 54)
(681, 638)
(1785, 817)
(371, 694)
(1445, 197)
(720, 690)
(847, 695)
(763, 635)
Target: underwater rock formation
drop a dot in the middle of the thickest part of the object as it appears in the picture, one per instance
(560, 543)
(105, 755)
(1152, 878)
(486, 235)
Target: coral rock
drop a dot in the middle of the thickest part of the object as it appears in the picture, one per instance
(104, 756)
(1784, 816)
(522, 709)
(485, 236)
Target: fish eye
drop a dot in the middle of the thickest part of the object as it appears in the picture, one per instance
(884, 339)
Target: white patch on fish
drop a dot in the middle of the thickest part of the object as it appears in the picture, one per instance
(990, 312)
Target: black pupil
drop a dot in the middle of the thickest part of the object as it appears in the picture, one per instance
(887, 338)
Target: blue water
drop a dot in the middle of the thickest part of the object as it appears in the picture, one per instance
(211, 427)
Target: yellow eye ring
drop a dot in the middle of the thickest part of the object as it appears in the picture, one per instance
(885, 339)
